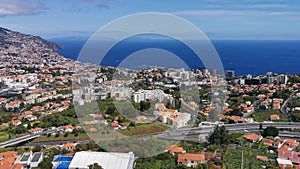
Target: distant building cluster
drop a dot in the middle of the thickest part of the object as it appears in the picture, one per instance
(153, 95)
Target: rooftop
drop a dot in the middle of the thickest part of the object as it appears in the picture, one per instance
(107, 160)
(36, 157)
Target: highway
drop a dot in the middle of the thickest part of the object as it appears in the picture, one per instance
(25, 138)
(183, 133)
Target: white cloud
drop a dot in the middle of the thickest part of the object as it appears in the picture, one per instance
(19, 7)
(216, 12)
(285, 13)
(221, 12)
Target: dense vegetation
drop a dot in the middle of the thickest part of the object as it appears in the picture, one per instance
(270, 131)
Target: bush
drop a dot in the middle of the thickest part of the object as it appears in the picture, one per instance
(36, 149)
(270, 131)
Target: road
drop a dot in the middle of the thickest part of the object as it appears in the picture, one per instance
(22, 139)
(179, 134)
(284, 105)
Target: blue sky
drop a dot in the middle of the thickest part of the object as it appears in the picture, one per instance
(219, 19)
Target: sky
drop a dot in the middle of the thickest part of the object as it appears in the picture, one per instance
(218, 19)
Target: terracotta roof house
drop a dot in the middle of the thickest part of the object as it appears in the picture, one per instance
(274, 117)
(191, 160)
(291, 142)
(283, 164)
(175, 149)
(68, 146)
(18, 166)
(252, 137)
(290, 155)
(68, 128)
(262, 158)
(268, 142)
(36, 130)
(7, 159)
(16, 122)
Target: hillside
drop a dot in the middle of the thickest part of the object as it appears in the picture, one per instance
(21, 48)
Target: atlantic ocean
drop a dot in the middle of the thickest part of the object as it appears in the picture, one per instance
(243, 56)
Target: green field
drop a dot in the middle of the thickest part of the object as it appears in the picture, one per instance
(141, 129)
(265, 116)
(295, 116)
(4, 136)
(296, 102)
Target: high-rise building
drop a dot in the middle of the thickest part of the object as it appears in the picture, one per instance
(230, 73)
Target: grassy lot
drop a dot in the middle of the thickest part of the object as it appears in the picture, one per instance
(61, 137)
(296, 102)
(295, 116)
(141, 129)
(265, 115)
(4, 113)
(233, 158)
(4, 136)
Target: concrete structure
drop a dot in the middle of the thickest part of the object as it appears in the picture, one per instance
(32, 160)
(25, 159)
(107, 160)
(154, 95)
(174, 118)
(36, 159)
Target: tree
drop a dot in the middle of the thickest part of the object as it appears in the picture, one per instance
(220, 136)
(95, 166)
(132, 124)
(270, 131)
(37, 148)
(181, 166)
(201, 166)
(80, 147)
(20, 129)
(111, 109)
(145, 105)
(92, 145)
(29, 126)
(46, 163)
(64, 151)
(235, 112)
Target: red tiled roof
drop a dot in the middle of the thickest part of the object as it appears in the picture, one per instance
(18, 166)
(268, 142)
(68, 145)
(8, 159)
(262, 158)
(190, 157)
(251, 136)
(283, 148)
(175, 149)
(68, 127)
(290, 155)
